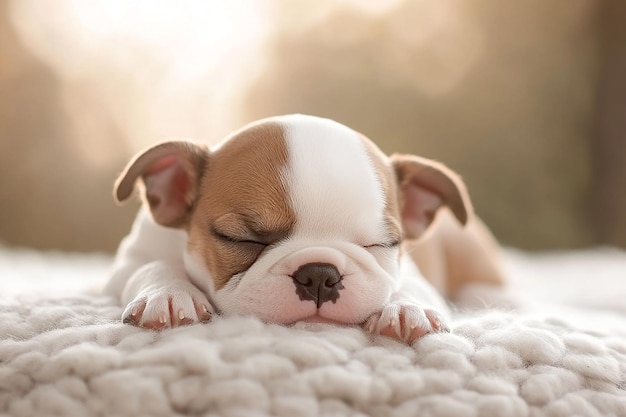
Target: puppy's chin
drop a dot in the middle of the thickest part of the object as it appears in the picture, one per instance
(267, 289)
(319, 319)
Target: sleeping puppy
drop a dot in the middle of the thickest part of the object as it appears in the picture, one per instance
(297, 218)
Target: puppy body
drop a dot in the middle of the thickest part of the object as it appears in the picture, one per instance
(295, 218)
(454, 258)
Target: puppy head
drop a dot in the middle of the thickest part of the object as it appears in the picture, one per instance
(294, 217)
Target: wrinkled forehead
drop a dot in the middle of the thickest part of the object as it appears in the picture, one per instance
(326, 176)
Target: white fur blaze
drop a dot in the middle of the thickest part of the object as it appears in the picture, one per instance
(331, 181)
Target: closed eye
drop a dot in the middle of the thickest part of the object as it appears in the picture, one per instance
(235, 239)
(386, 245)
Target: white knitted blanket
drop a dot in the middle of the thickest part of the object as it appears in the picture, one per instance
(68, 355)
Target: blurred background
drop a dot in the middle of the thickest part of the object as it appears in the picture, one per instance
(526, 100)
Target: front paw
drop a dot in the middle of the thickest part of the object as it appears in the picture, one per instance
(165, 307)
(406, 322)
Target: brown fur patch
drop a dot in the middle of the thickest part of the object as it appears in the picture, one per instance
(242, 198)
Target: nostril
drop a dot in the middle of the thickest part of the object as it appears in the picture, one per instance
(331, 281)
(300, 278)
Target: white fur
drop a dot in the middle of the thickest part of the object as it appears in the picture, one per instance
(149, 268)
(329, 175)
(147, 242)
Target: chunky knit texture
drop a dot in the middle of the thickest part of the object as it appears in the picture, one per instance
(69, 355)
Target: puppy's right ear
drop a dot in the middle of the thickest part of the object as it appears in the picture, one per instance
(168, 175)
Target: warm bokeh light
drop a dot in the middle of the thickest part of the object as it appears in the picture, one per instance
(159, 71)
(162, 71)
(522, 99)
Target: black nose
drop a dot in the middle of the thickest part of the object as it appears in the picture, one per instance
(317, 282)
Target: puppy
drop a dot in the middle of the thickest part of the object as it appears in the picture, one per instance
(296, 218)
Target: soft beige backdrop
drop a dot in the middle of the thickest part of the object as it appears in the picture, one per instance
(527, 100)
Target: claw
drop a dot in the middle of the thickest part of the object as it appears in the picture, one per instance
(371, 326)
(203, 313)
(134, 315)
(183, 320)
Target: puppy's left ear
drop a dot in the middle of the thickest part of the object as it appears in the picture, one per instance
(424, 187)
